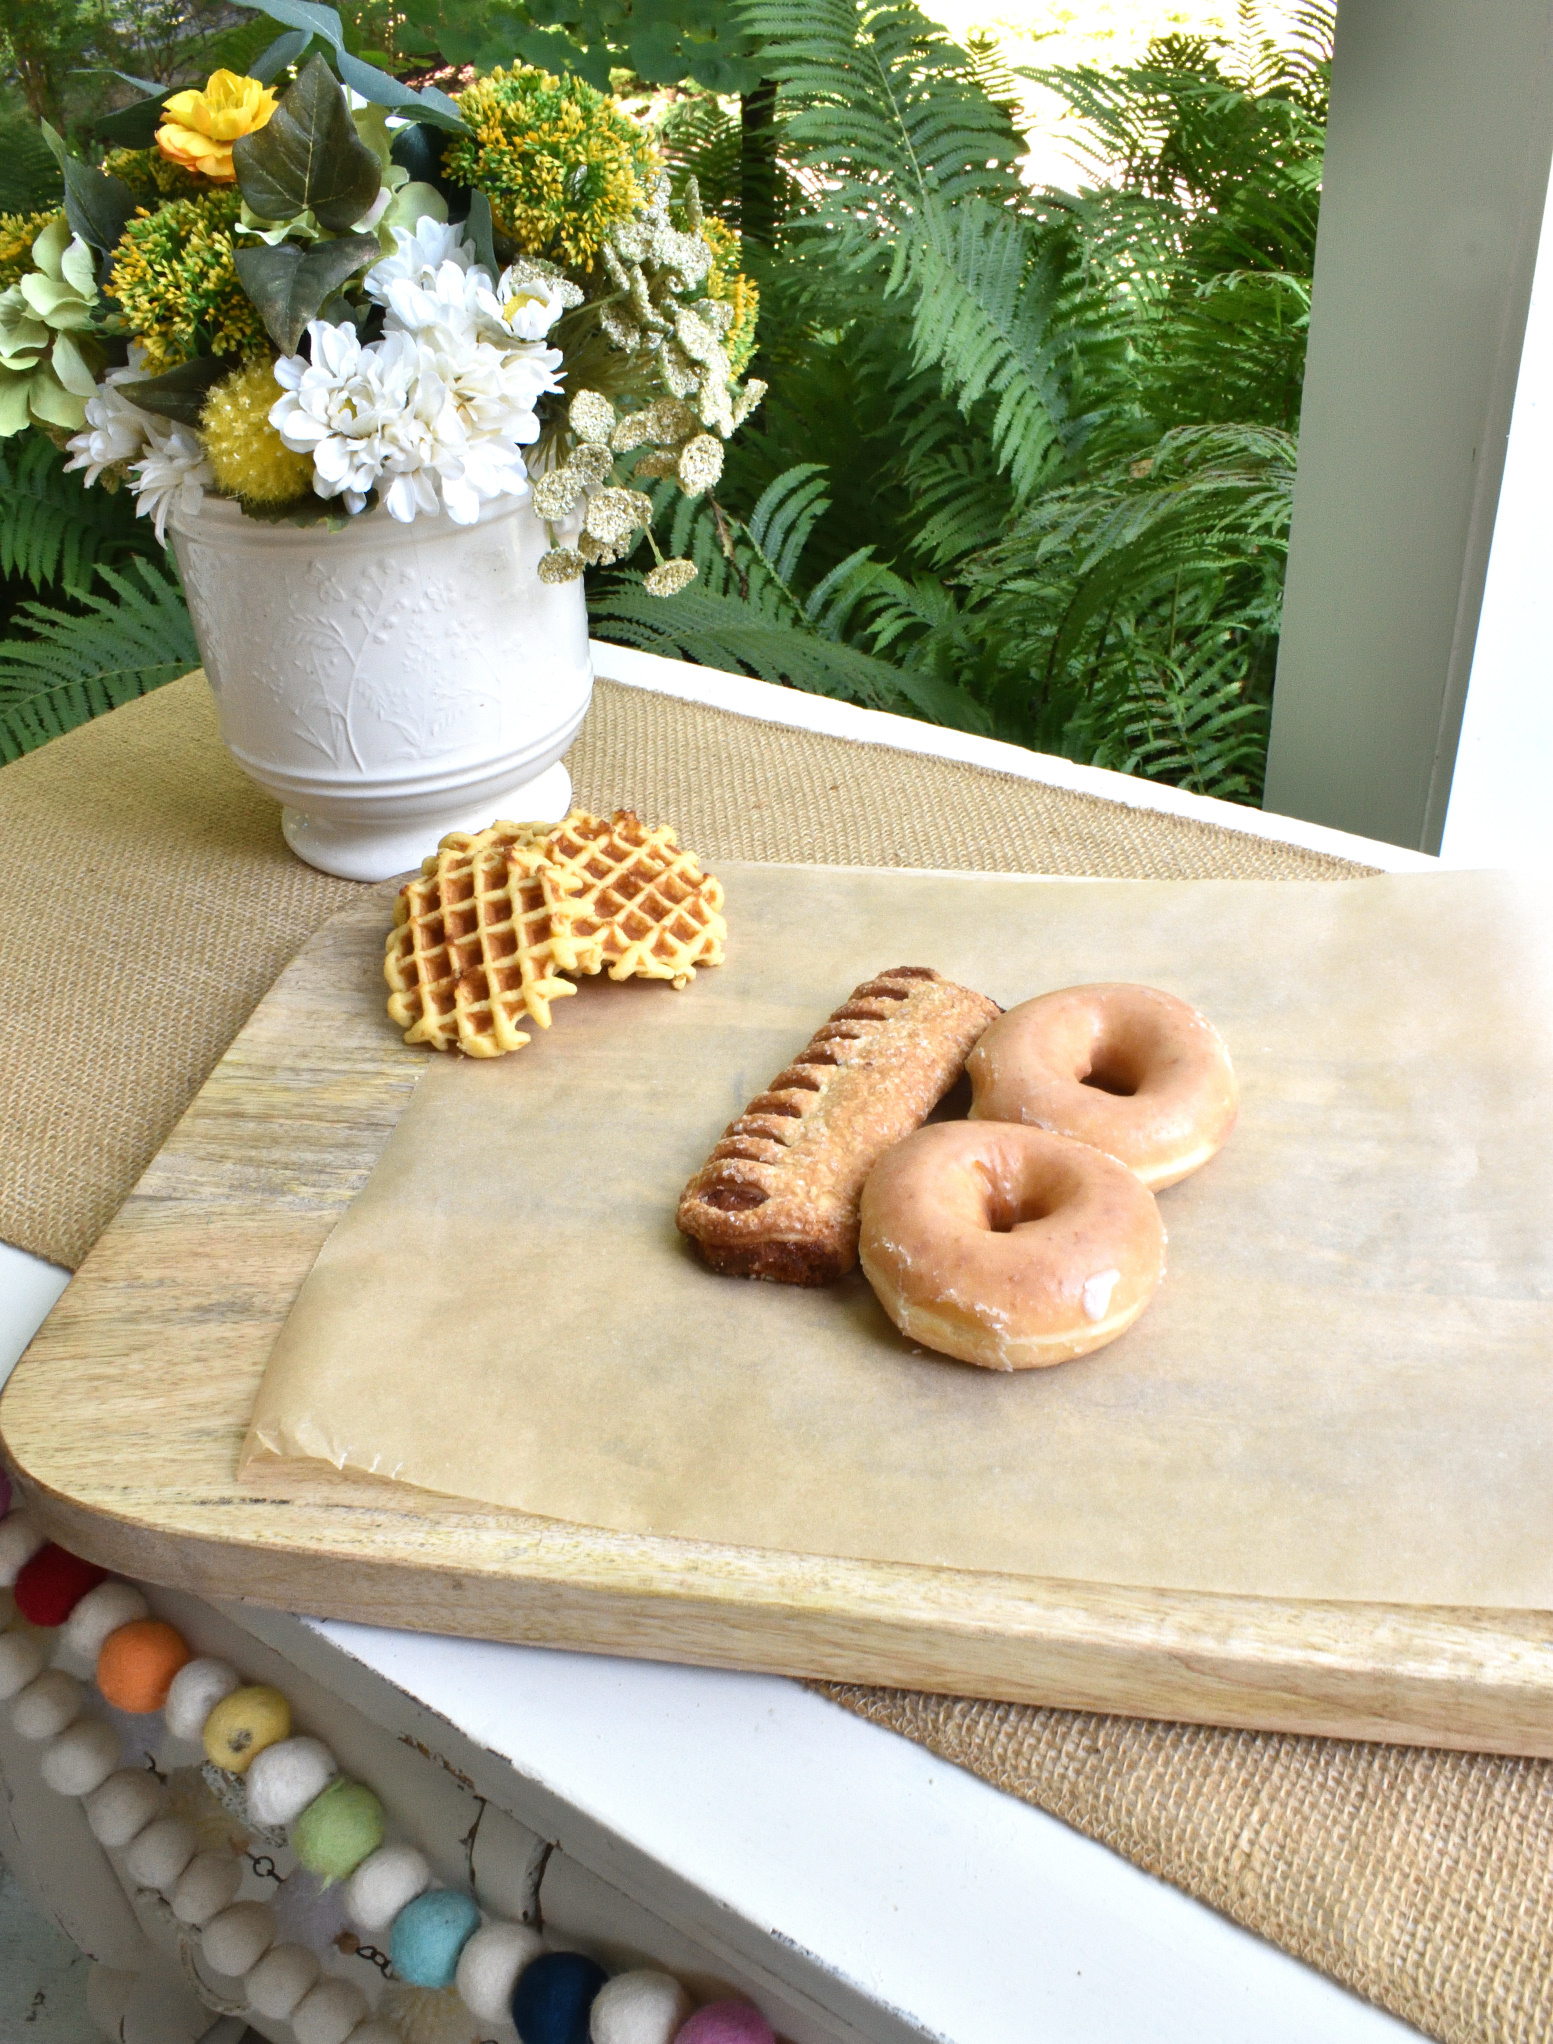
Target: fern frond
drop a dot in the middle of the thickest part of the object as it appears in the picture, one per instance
(721, 631)
(888, 115)
(53, 530)
(75, 665)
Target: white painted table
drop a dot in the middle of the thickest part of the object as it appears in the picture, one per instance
(737, 1825)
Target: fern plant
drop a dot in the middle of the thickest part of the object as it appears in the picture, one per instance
(124, 638)
(1057, 429)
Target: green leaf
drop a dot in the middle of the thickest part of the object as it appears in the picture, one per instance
(479, 229)
(96, 207)
(274, 58)
(75, 665)
(179, 393)
(310, 19)
(289, 285)
(134, 126)
(308, 155)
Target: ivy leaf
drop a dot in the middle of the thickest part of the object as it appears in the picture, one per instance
(308, 154)
(288, 284)
(179, 393)
(96, 207)
(134, 126)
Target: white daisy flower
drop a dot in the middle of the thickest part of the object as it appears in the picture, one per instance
(419, 252)
(172, 475)
(115, 430)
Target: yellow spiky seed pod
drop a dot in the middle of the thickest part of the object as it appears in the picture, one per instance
(249, 457)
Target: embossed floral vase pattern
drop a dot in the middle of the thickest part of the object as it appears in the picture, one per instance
(388, 683)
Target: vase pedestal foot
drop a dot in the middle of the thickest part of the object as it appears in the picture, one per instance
(376, 848)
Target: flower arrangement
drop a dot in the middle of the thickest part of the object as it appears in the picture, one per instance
(315, 299)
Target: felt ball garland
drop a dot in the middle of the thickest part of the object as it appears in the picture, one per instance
(287, 1786)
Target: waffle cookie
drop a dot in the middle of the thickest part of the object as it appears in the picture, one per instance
(778, 1197)
(645, 901)
(480, 941)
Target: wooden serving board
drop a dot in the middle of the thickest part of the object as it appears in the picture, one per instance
(126, 1417)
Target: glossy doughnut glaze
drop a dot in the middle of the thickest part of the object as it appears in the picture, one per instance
(1007, 1246)
(1130, 1069)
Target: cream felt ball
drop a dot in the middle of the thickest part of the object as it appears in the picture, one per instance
(638, 2008)
(197, 1688)
(286, 1778)
(207, 1885)
(489, 1965)
(23, 1658)
(123, 1806)
(279, 1980)
(20, 1539)
(383, 1884)
(238, 1938)
(81, 1757)
(160, 1854)
(101, 1612)
(337, 1830)
(727, 2022)
(329, 2012)
(46, 1706)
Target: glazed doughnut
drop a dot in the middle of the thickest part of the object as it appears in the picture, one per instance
(1007, 1246)
(1130, 1069)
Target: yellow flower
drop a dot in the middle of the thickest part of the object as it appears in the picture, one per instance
(249, 457)
(199, 128)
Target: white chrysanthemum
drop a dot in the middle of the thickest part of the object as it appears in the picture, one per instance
(434, 419)
(115, 430)
(172, 475)
(419, 252)
(444, 297)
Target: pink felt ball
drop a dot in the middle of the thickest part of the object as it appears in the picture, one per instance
(727, 2022)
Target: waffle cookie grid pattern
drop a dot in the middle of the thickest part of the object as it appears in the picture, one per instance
(483, 939)
(479, 945)
(646, 900)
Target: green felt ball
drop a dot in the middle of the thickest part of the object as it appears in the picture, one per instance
(337, 1830)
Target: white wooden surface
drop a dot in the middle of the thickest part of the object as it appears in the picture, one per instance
(877, 1890)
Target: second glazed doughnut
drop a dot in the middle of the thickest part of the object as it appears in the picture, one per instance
(1007, 1246)
(1130, 1069)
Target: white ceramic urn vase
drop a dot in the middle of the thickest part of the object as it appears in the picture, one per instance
(388, 683)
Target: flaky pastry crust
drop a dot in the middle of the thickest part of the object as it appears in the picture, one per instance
(778, 1197)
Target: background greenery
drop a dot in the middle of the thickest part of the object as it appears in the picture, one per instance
(1027, 461)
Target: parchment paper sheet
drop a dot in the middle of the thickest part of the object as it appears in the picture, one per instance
(1344, 1388)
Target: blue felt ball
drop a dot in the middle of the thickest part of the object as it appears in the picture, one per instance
(551, 2001)
(428, 1935)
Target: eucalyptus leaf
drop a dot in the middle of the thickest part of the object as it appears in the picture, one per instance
(478, 229)
(285, 49)
(96, 207)
(309, 156)
(289, 285)
(179, 393)
(307, 15)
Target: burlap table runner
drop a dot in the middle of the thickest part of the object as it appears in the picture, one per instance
(152, 902)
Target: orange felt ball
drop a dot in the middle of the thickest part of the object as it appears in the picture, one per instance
(137, 1664)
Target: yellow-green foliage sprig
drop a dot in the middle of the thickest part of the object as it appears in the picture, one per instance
(250, 460)
(174, 275)
(726, 282)
(152, 177)
(18, 232)
(559, 162)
